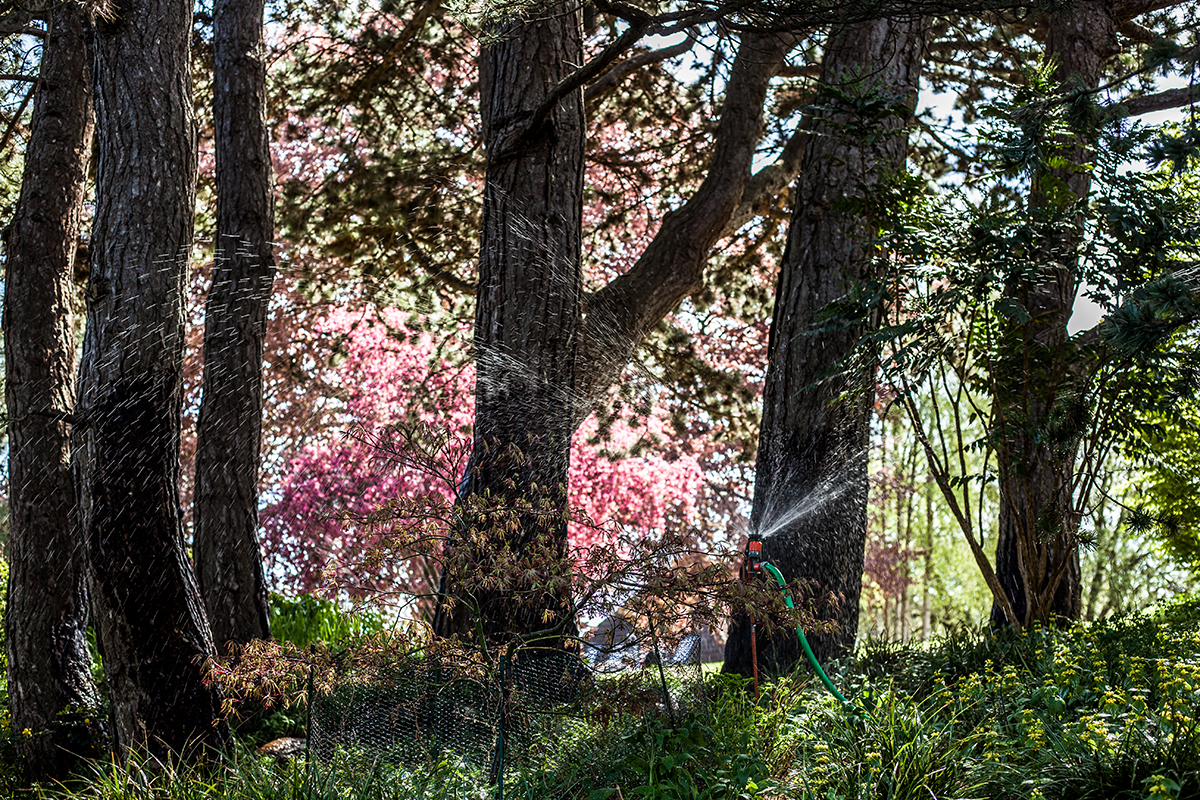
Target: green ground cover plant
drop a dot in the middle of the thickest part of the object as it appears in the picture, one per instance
(1106, 710)
(309, 618)
(1101, 710)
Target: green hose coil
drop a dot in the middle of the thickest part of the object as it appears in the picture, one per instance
(812, 659)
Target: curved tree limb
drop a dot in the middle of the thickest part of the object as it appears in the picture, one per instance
(1136, 32)
(1128, 9)
(611, 79)
(16, 119)
(766, 185)
(619, 316)
(15, 19)
(520, 136)
(1161, 101)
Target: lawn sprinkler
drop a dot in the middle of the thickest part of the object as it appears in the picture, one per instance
(752, 570)
(752, 563)
(754, 567)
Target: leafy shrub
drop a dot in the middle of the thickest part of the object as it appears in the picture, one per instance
(723, 747)
(686, 760)
(1107, 710)
(904, 749)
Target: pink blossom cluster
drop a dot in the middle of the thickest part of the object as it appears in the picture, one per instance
(392, 373)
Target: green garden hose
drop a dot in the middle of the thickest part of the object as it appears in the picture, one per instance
(812, 659)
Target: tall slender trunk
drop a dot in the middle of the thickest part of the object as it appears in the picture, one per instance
(1038, 532)
(50, 688)
(226, 553)
(909, 512)
(151, 624)
(927, 576)
(527, 317)
(810, 488)
(906, 577)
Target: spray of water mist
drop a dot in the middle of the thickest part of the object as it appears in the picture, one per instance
(831, 487)
(510, 374)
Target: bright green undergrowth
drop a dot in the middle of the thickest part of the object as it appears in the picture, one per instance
(1107, 710)
(310, 618)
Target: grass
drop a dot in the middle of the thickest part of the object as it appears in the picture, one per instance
(309, 618)
(1107, 710)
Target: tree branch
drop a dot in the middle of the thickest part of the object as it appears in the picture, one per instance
(766, 185)
(1128, 9)
(800, 71)
(435, 270)
(619, 316)
(615, 8)
(639, 23)
(611, 79)
(1094, 337)
(14, 22)
(1070, 95)
(941, 475)
(16, 119)
(1136, 32)
(957, 152)
(8, 31)
(1160, 101)
(386, 63)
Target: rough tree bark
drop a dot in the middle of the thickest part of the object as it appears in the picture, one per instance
(526, 321)
(50, 688)
(148, 612)
(618, 317)
(1038, 529)
(810, 488)
(229, 432)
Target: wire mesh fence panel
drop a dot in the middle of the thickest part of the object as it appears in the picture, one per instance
(526, 713)
(410, 714)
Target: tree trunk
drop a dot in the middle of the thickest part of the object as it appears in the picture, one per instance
(526, 328)
(229, 432)
(1038, 532)
(810, 488)
(906, 576)
(927, 576)
(149, 615)
(50, 688)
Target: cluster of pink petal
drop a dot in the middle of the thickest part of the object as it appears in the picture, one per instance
(392, 374)
(646, 492)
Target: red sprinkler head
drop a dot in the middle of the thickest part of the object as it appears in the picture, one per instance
(752, 565)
